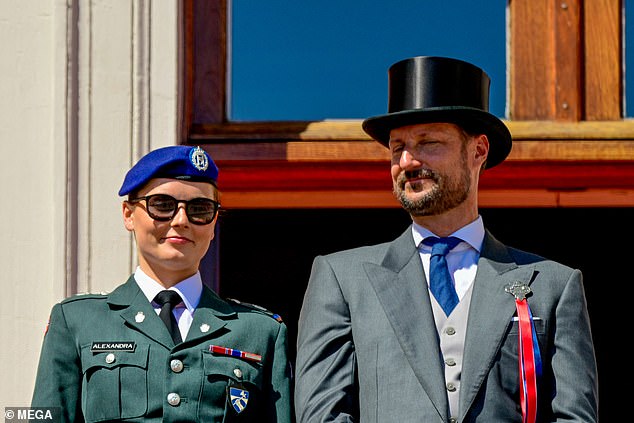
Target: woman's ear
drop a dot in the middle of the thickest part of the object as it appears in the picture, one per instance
(128, 220)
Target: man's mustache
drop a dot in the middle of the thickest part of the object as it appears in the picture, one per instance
(418, 173)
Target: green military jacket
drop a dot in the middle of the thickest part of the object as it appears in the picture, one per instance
(110, 357)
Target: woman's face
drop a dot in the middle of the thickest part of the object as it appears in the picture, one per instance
(170, 251)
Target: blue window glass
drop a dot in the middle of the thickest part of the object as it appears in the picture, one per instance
(320, 59)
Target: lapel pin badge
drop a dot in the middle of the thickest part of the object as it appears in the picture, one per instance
(518, 289)
(204, 328)
(140, 317)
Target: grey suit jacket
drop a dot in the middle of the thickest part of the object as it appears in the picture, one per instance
(368, 349)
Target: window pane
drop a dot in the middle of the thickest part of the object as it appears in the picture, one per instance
(320, 59)
(629, 58)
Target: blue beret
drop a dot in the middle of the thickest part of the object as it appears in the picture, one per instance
(177, 162)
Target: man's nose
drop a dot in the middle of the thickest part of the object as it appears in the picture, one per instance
(407, 160)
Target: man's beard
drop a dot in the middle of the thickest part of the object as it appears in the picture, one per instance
(445, 195)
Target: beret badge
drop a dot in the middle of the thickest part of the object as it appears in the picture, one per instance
(199, 159)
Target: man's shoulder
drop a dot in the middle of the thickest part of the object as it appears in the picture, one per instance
(365, 253)
(364, 249)
(405, 240)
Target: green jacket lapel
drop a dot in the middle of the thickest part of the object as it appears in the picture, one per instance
(138, 313)
(210, 316)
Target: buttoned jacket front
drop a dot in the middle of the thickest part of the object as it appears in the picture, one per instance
(368, 348)
(142, 376)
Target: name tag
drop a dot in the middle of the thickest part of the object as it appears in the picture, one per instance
(104, 346)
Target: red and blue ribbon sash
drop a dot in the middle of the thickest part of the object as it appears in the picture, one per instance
(530, 365)
(235, 353)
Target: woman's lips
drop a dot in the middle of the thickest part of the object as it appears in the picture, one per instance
(177, 240)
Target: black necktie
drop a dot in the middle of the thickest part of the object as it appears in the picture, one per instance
(168, 299)
(441, 284)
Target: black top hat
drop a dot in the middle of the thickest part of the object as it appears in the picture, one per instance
(438, 89)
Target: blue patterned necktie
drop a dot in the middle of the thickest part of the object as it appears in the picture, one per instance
(440, 282)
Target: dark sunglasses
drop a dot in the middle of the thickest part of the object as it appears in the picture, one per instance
(162, 207)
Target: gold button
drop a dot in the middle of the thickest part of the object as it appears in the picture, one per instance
(238, 373)
(451, 387)
(450, 362)
(450, 331)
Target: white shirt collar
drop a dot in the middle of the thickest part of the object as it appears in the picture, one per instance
(189, 289)
(473, 233)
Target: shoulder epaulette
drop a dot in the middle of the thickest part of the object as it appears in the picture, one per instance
(85, 296)
(257, 308)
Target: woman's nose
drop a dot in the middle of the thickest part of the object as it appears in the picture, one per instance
(180, 217)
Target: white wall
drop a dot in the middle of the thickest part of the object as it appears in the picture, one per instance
(86, 88)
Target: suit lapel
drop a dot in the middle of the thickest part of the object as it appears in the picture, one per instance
(490, 312)
(400, 286)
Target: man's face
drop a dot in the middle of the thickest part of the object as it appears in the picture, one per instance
(433, 167)
(170, 251)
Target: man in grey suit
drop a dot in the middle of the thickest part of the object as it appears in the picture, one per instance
(505, 338)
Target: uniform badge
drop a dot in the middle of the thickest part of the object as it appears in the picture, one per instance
(518, 289)
(232, 352)
(204, 328)
(199, 159)
(107, 346)
(239, 399)
(140, 317)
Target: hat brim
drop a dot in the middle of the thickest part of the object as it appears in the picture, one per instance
(470, 119)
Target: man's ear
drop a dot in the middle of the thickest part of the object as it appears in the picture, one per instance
(128, 220)
(481, 148)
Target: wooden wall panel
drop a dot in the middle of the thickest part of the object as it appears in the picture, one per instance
(545, 60)
(530, 60)
(205, 58)
(567, 60)
(603, 60)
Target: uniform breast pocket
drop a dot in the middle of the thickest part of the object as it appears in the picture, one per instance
(232, 388)
(114, 384)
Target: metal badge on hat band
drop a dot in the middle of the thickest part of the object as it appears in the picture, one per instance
(199, 159)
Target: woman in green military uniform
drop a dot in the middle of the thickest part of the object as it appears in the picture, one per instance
(162, 346)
